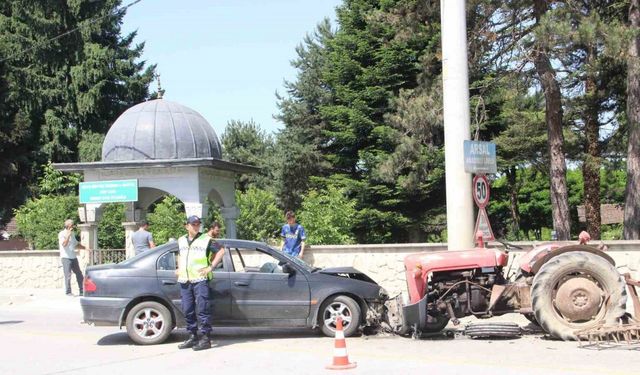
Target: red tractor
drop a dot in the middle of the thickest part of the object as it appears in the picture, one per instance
(562, 286)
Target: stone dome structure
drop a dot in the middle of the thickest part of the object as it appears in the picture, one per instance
(160, 129)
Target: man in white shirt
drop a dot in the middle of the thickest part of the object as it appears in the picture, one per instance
(68, 248)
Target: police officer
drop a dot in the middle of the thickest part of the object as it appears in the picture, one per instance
(194, 272)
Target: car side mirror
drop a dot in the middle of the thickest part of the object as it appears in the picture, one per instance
(286, 268)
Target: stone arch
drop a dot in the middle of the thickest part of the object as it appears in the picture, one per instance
(148, 196)
(215, 197)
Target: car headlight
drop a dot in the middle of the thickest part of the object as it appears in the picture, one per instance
(383, 293)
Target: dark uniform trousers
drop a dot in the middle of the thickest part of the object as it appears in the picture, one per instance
(195, 306)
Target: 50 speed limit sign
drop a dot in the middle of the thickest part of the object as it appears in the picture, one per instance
(481, 190)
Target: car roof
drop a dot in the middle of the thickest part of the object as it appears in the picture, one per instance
(227, 242)
(240, 243)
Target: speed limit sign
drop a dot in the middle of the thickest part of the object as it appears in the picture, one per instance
(481, 190)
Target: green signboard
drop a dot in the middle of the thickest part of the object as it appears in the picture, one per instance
(109, 191)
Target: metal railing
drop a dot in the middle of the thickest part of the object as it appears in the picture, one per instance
(106, 256)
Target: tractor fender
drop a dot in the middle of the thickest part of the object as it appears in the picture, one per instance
(567, 249)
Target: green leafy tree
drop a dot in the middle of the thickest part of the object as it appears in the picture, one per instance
(54, 182)
(110, 230)
(214, 214)
(612, 186)
(167, 220)
(40, 219)
(260, 218)
(535, 204)
(327, 217)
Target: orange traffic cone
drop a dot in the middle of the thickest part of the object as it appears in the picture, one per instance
(340, 357)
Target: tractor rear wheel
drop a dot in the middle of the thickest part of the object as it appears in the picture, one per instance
(532, 318)
(575, 291)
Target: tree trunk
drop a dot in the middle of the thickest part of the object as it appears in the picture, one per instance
(555, 138)
(513, 195)
(632, 195)
(591, 164)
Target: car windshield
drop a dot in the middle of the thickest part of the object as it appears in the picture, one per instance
(296, 260)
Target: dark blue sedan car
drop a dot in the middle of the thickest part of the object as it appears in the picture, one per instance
(255, 285)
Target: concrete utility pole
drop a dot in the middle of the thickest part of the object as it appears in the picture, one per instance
(455, 77)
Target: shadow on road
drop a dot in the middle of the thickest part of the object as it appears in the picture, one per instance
(120, 338)
(220, 337)
(270, 333)
(11, 321)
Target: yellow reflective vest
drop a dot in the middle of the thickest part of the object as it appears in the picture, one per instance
(192, 258)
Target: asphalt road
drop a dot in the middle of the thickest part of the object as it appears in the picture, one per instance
(41, 333)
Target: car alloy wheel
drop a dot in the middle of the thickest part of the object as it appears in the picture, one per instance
(344, 307)
(149, 323)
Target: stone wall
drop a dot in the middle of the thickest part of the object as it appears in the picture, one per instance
(34, 269)
(383, 263)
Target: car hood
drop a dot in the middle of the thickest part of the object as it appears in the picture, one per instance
(347, 272)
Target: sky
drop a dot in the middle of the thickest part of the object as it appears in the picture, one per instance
(223, 58)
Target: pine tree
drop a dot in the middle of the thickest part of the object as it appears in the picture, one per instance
(246, 143)
(61, 82)
(632, 194)
(298, 156)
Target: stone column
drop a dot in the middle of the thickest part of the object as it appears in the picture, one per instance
(131, 213)
(88, 239)
(230, 214)
(129, 228)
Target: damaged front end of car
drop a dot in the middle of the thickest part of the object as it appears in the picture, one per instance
(383, 314)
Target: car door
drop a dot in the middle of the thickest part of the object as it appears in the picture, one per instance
(220, 297)
(261, 291)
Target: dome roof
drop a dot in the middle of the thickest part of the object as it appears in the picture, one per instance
(160, 129)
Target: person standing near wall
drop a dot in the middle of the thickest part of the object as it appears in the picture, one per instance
(68, 245)
(293, 236)
(142, 240)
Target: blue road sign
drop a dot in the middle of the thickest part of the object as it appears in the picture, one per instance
(480, 157)
(109, 191)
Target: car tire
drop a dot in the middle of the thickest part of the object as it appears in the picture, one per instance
(590, 281)
(493, 330)
(149, 323)
(342, 306)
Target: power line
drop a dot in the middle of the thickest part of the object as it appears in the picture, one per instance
(115, 12)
